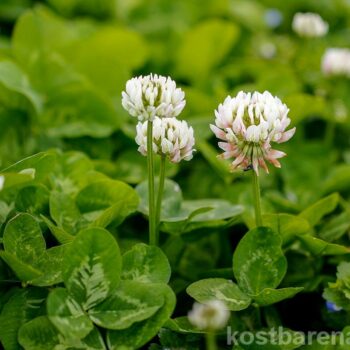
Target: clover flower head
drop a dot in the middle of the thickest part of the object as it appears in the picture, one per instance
(247, 125)
(211, 316)
(171, 137)
(336, 62)
(147, 97)
(309, 25)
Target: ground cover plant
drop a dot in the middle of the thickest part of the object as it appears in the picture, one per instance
(232, 232)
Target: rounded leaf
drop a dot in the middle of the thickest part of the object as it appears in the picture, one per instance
(147, 264)
(258, 261)
(131, 302)
(142, 332)
(67, 315)
(38, 334)
(92, 266)
(221, 289)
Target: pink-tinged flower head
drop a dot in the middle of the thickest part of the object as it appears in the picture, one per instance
(247, 125)
(172, 138)
(153, 96)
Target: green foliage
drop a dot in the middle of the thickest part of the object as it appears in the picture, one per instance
(219, 289)
(180, 216)
(146, 264)
(259, 262)
(75, 271)
(339, 292)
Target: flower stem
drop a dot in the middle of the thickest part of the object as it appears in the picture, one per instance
(160, 195)
(210, 341)
(256, 198)
(152, 227)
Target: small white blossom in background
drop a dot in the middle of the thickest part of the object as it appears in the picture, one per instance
(171, 137)
(336, 62)
(309, 25)
(248, 124)
(2, 182)
(147, 97)
(267, 50)
(210, 316)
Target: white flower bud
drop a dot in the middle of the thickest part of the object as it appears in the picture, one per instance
(210, 316)
(247, 124)
(171, 137)
(153, 96)
(336, 62)
(309, 25)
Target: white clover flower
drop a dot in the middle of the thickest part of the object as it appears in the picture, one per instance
(309, 25)
(211, 316)
(247, 124)
(171, 137)
(153, 96)
(336, 62)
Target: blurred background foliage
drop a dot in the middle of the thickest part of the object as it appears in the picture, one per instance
(64, 63)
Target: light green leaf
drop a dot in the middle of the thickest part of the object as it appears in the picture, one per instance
(258, 261)
(77, 111)
(319, 247)
(32, 199)
(272, 296)
(172, 197)
(288, 226)
(67, 315)
(107, 201)
(317, 211)
(335, 228)
(34, 32)
(182, 325)
(43, 163)
(23, 238)
(180, 216)
(15, 80)
(221, 289)
(111, 46)
(131, 302)
(142, 332)
(196, 57)
(61, 235)
(92, 267)
(50, 265)
(25, 272)
(146, 264)
(38, 334)
(23, 305)
(338, 179)
(65, 213)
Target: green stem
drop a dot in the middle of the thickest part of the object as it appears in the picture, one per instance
(152, 227)
(210, 341)
(256, 198)
(160, 195)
